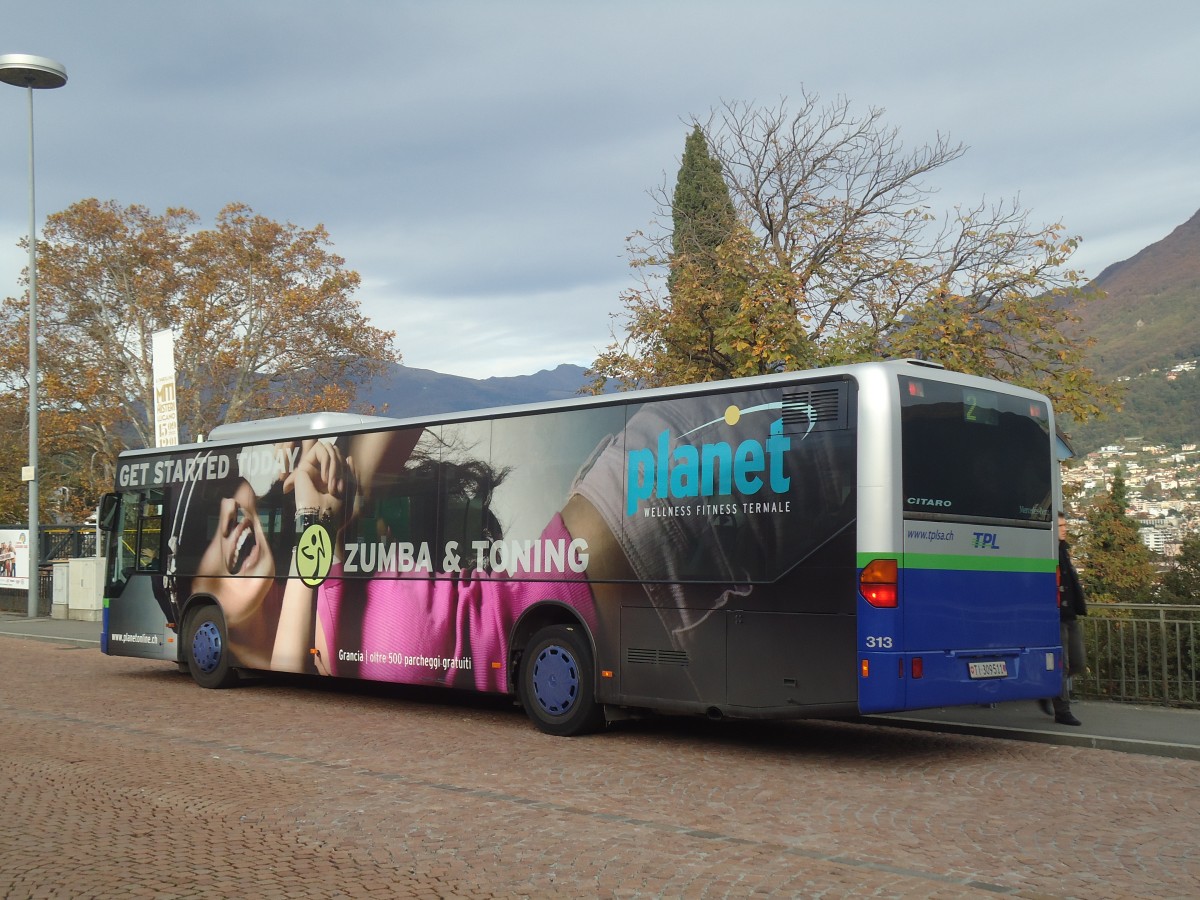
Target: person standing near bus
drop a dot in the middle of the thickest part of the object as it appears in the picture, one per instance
(1071, 605)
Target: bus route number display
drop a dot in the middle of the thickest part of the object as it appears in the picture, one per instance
(980, 407)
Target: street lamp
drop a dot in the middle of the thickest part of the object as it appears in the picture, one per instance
(32, 72)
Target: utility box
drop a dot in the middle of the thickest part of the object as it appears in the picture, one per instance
(86, 600)
(60, 600)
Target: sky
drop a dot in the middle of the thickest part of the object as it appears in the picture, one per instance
(481, 164)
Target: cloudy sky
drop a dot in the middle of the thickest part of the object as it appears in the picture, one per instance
(480, 164)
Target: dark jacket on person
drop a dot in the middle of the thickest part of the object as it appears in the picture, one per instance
(1070, 592)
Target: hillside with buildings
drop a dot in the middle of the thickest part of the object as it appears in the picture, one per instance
(1163, 484)
(1147, 339)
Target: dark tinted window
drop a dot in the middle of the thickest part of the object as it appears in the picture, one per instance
(974, 454)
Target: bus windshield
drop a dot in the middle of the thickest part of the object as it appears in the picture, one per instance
(971, 454)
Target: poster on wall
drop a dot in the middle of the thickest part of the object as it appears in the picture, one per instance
(14, 558)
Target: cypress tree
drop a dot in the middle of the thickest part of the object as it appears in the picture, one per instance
(702, 213)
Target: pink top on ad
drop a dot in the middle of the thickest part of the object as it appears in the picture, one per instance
(451, 630)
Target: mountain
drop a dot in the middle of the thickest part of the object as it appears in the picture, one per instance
(404, 391)
(1149, 316)
(1146, 325)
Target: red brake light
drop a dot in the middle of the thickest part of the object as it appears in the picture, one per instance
(878, 583)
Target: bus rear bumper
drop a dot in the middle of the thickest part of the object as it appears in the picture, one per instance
(893, 682)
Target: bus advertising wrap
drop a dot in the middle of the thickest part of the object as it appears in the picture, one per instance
(863, 539)
(419, 549)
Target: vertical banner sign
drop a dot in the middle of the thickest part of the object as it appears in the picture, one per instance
(166, 423)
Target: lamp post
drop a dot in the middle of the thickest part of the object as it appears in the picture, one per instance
(31, 72)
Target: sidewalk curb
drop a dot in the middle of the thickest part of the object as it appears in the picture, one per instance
(49, 630)
(1043, 736)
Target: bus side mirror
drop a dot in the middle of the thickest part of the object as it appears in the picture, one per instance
(110, 505)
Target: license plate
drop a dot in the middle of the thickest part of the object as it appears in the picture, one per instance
(996, 669)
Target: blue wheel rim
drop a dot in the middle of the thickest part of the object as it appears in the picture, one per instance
(555, 680)
(206, 647)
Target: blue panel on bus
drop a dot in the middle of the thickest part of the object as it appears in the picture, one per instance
(960, 637)
(959, 610)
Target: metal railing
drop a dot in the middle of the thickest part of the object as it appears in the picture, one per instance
(67, 541)
(1142, 653)
(16, 600)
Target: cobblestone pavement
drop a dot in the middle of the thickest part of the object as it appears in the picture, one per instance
(121, 778)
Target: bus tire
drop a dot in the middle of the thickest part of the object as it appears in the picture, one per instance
(557, 685)
(206, 646)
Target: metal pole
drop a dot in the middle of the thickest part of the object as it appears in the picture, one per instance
(1162, 641)
(35, 542)
(29, 72)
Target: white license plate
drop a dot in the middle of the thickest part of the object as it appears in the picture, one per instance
(997, 669)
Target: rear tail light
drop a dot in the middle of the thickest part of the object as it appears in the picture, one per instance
(878, 583)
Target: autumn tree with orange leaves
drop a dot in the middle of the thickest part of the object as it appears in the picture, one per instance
(263, 314)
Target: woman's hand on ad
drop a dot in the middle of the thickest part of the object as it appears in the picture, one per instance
(319, 479)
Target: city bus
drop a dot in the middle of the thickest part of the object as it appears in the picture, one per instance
(852, 540)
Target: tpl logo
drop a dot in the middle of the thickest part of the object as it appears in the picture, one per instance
(985, 540)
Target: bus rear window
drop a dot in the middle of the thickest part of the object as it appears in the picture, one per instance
(973, 454)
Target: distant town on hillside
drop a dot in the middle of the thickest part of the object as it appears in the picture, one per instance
(1162, 483)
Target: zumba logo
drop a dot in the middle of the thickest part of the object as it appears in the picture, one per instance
(314, 555)
(708, 469)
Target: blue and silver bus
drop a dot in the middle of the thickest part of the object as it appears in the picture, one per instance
(857, 539)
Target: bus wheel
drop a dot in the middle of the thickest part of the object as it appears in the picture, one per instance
(556, 683)
(207, 648)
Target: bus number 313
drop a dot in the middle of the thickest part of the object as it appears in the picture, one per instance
(879, 642)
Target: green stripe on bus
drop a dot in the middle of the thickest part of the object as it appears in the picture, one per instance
(962, 563)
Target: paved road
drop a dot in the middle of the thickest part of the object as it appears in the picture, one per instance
(119, 777)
